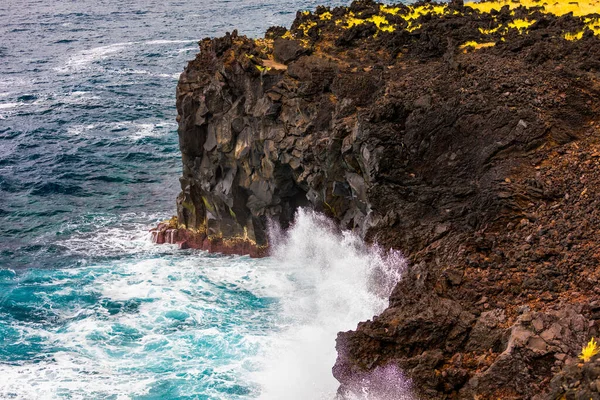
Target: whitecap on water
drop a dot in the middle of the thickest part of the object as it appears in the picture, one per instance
(8, 106)
(77, 130)
(8, 109)
(188, 49)
(127, 130)
(129, 71)
(83, 59)
(111, 235)
(170, 41)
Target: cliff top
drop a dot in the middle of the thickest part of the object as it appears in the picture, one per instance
(425, 30)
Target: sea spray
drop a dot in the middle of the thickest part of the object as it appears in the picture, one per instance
(382, 383)
(335, 281)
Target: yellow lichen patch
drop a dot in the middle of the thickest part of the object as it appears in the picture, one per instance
(520, 24)
(170, 223)
(232, 213)
(413, 27)
(350, 21)
(390, 10)
(416, 12)
(259, 67)
(489, 31)
(475, 46)
(589, 351)
(574, 36)
(381, 23)
(427, 9)
(578, 8)
(593, 24)
(557, 7)
(412, 14)
(326, 16)
(305, 27)
(207, 205)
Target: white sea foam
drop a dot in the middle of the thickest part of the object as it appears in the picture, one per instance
(78, 130)
(8, 106)
(129, 71)
(17, 82)
(83, 59)
(109, 235)
(131, 130)
(190, 312)
(170, 41)
(145, 130)
(177, 310)
(334, 281)
(186, 49)
(8, 109)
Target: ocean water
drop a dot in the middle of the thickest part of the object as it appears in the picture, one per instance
(89, 162)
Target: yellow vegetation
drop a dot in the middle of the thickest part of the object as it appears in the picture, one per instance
(305, 27)
(379, 21)
(520, 24)
(488, 31)
(412, 14)
(326, 16)
(382, 23)
(558, 7)
(476, 46)
(589, 351)
(574, 36)
(593, 24)
(579, 8)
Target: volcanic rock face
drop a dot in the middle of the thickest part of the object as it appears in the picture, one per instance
(466, 139)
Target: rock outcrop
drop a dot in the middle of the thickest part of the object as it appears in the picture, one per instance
(466, 136)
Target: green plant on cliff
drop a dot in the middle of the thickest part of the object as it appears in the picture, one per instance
(589, 350)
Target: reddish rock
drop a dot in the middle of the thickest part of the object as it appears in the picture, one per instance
(188, 239)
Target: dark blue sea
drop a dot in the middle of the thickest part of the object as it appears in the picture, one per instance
(89, 162)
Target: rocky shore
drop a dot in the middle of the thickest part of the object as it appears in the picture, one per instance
(465, 135)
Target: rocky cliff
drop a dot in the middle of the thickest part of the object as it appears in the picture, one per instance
(466, 136)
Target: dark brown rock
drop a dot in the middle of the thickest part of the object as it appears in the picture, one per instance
(481, 166)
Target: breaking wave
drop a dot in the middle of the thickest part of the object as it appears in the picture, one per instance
(155, 322)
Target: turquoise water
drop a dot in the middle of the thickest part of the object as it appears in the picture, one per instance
(89, 162)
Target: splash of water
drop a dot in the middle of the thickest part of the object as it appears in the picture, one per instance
(382, 383)
(334, 280)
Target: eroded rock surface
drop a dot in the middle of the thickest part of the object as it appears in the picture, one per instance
(468, 140)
